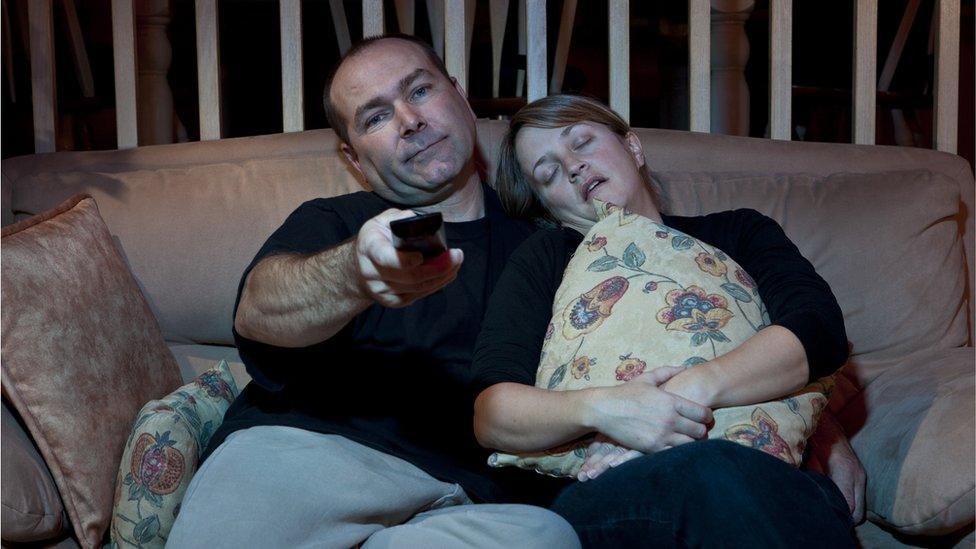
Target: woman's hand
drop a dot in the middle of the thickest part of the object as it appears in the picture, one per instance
(641, 415)
(601, 455)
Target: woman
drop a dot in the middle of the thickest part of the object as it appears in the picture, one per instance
(656, 479)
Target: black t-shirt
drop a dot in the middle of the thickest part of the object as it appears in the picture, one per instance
(795, 296)
(396, 380)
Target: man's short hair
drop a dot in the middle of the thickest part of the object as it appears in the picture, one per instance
(336, 121)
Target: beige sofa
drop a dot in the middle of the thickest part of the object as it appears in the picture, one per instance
(891, 229)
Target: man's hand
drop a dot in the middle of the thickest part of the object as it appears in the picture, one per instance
(641, 415)
(393, 278)
(832, 455)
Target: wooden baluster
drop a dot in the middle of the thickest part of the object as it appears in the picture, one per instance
(499, 19)
(373, 23)
(619, 24)
(699, 65)
(865, 70)
(535, 23)
(946, 94)
(780, 68)
(208, 69)
(341, 25)
(435, 16)
(522, 49)
(156, 122)
(292, 90)
(454, 39)
(563, 41)
(124, 53)
(406, 15)
(729, 49)
(79, 53)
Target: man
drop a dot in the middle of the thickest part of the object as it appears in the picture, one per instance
(357, 426)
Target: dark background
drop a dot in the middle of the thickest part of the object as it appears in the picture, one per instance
(251, 68)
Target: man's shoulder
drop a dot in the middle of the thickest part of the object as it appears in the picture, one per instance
(352, 209)
(359, 200)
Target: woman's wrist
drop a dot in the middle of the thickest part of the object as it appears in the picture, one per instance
(699, 384)
(588, 409)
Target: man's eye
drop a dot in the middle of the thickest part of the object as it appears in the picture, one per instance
(420, 92)
(373, 120)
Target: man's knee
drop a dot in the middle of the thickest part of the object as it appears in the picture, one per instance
(481, 526)
(551, 531)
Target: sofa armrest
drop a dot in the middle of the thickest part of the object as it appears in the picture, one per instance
(912, 428)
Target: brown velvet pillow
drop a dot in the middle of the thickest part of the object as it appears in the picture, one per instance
(32, 508)
(81, 353)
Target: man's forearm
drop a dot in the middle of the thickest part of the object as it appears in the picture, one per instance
(520, 418)
(294, 300)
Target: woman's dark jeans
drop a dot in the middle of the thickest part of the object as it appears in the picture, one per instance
(710, 493)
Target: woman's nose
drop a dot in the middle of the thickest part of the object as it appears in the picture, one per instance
(576, 169)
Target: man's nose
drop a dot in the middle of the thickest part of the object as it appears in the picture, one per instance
(411, 121)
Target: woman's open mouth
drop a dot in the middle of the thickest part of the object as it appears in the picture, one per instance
(591, 185)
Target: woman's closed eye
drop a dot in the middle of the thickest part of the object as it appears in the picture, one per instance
(582, 142)
(551, 173)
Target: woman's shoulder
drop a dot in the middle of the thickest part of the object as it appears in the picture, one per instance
(726, 220)
(724, 216)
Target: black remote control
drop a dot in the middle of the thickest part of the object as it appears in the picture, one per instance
(421, 233)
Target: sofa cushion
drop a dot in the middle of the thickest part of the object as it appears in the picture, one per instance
(913, 431)
(162, 455)
(188, 232)
(604, 331)
(81, 352)
(887, 243)
(32, 508)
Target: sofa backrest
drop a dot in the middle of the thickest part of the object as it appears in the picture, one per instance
(189, 217)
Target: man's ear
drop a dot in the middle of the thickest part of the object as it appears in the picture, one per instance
(352, 157)
(460, 89)
(636, 149)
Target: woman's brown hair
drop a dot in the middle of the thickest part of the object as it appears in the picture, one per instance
(554, 111)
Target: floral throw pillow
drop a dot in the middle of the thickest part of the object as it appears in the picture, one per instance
(162, 454)
(638, 295)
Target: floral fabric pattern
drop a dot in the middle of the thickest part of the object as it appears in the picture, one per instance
(162, 454)
(695, 304)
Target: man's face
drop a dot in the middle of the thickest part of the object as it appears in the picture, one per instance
(411, 130)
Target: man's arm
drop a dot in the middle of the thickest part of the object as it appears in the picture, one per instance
(297, 300)
(293, 300)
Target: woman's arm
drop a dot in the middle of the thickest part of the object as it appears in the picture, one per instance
(520, 418)
(768, 365)
(513, 415)
(806, 339)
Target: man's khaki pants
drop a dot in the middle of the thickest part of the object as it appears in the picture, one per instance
(274, 486)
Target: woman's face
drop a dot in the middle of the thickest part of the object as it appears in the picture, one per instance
(569, 166)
